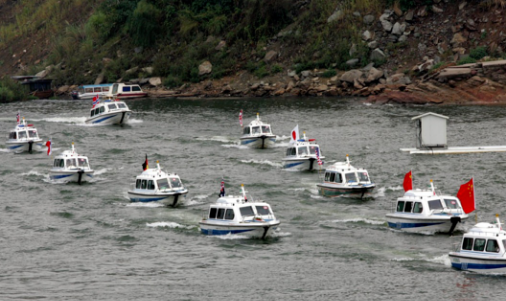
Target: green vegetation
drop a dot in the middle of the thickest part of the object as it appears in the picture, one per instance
(11, 90)
(329, 73)
(466, 60)
(478, 52)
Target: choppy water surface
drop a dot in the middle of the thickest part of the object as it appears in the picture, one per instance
(88, 242)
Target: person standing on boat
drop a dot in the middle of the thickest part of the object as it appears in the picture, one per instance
(222, 190)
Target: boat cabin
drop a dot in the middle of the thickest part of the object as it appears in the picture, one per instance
(23, 132)
(257, 129)
(238, 209)
(425, 202)
(145, 183)
(75, 162)
(484, 238)
(346, 176)
(94, 89)
(107, 106)
(302, 150)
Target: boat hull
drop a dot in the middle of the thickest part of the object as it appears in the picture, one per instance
(259, 142)
(172, 199)
(24, 146)
(302, 164)
(483, 264)
(412, 224)
(70, 176)
(118, 118)
(131, 95)
(335, 190)
(259, 229)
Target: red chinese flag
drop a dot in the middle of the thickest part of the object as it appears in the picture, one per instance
(466, 196)
(408, 182)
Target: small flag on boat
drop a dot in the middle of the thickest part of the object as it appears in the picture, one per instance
(95, 100)
(145, 164)
(49, 150)
(222, 189)
(318, 156)
(408, 182)
(466, 196)
(240, 118)
(17, 118)
(295, 134)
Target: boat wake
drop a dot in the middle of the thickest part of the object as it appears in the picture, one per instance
(379, 192)
(134, 121)
(264, 162)
(101, 171)
(282, 138)
(169, 225)
(70, 120)
(34, 173)
(223, 139)
(145, 205)
(4, 150)
(359, 220)
(236, 145)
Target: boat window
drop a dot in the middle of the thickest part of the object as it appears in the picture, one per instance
(56, 163)
(62, 163)
(312, 150)
(504, 243)
(102, 109)
(246, 130)
(82, 162)
(400, 206)
(105, 89)
(175, 182)
(136, 88)
(435, 205)
(151, 185)
(479, 244)
(362, 175)
(144, 184)
(92, 113)
(80, 90)
(418, 208)
(327, 176)
(32, 134)
(97, 89)
(212, 213)
(492, 246)
(339, 178)
(138, 184)
(163, 184)
(112, 106)
(22, 135)
(256, 130)
(12, 135)
(71, 163)
(332, 177)
(89, 90)
(302, 150)
(121, 105)
(229, 214)
(97, 111)
(266, 129)
(247, 211)
(351, 177)
(221, 213)
(467, 243)
(291, 151)
(408, 206)
(263, 210)
(126, 89)
(451, 204)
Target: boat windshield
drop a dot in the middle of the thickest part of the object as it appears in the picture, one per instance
(82, 162)
(12, 135)
(59, 162)
(163, 184)
(22, 135)
(302, 150)
(247, 211)
(467, 243)
(451, 204)
(32, 133)
(362, 175)
(71, 163)
(175, 182)
(246, 130)
(121, 105)
(351, 177)
(266, 129)
(290, 151)
(263, 210)
(435, 205)
(312, 150)
(255, 130)
(111, 106)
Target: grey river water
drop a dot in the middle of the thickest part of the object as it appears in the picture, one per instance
(88, 242)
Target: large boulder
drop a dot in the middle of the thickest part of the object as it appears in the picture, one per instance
(336, 16)
(373, 75)
(398, 79)
(205, 68)
(387, 25)
(270, 56)
(377, 55)
(351, 76)
(155, 81)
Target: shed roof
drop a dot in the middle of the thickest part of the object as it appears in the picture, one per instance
(428, 114)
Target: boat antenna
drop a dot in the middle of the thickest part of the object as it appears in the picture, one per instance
(498, 221)
(158, 164)
(348, 160)
(244, 193)
(432, 187)
(72, 146)
(304, 133)
(258, 116)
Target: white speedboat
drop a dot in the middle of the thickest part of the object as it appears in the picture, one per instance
(341, 178)
(155, 185)
(107, 112)
(258, 134)
(24, 138)
(122, 91)
(90, 91)
(426, 211)
(303, 154)
(482, 250)
(69, 166)
(236, 215)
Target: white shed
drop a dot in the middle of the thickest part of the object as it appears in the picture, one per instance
(430, 131)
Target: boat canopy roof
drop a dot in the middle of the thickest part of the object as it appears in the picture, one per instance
(231, 200)
(93, 86)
